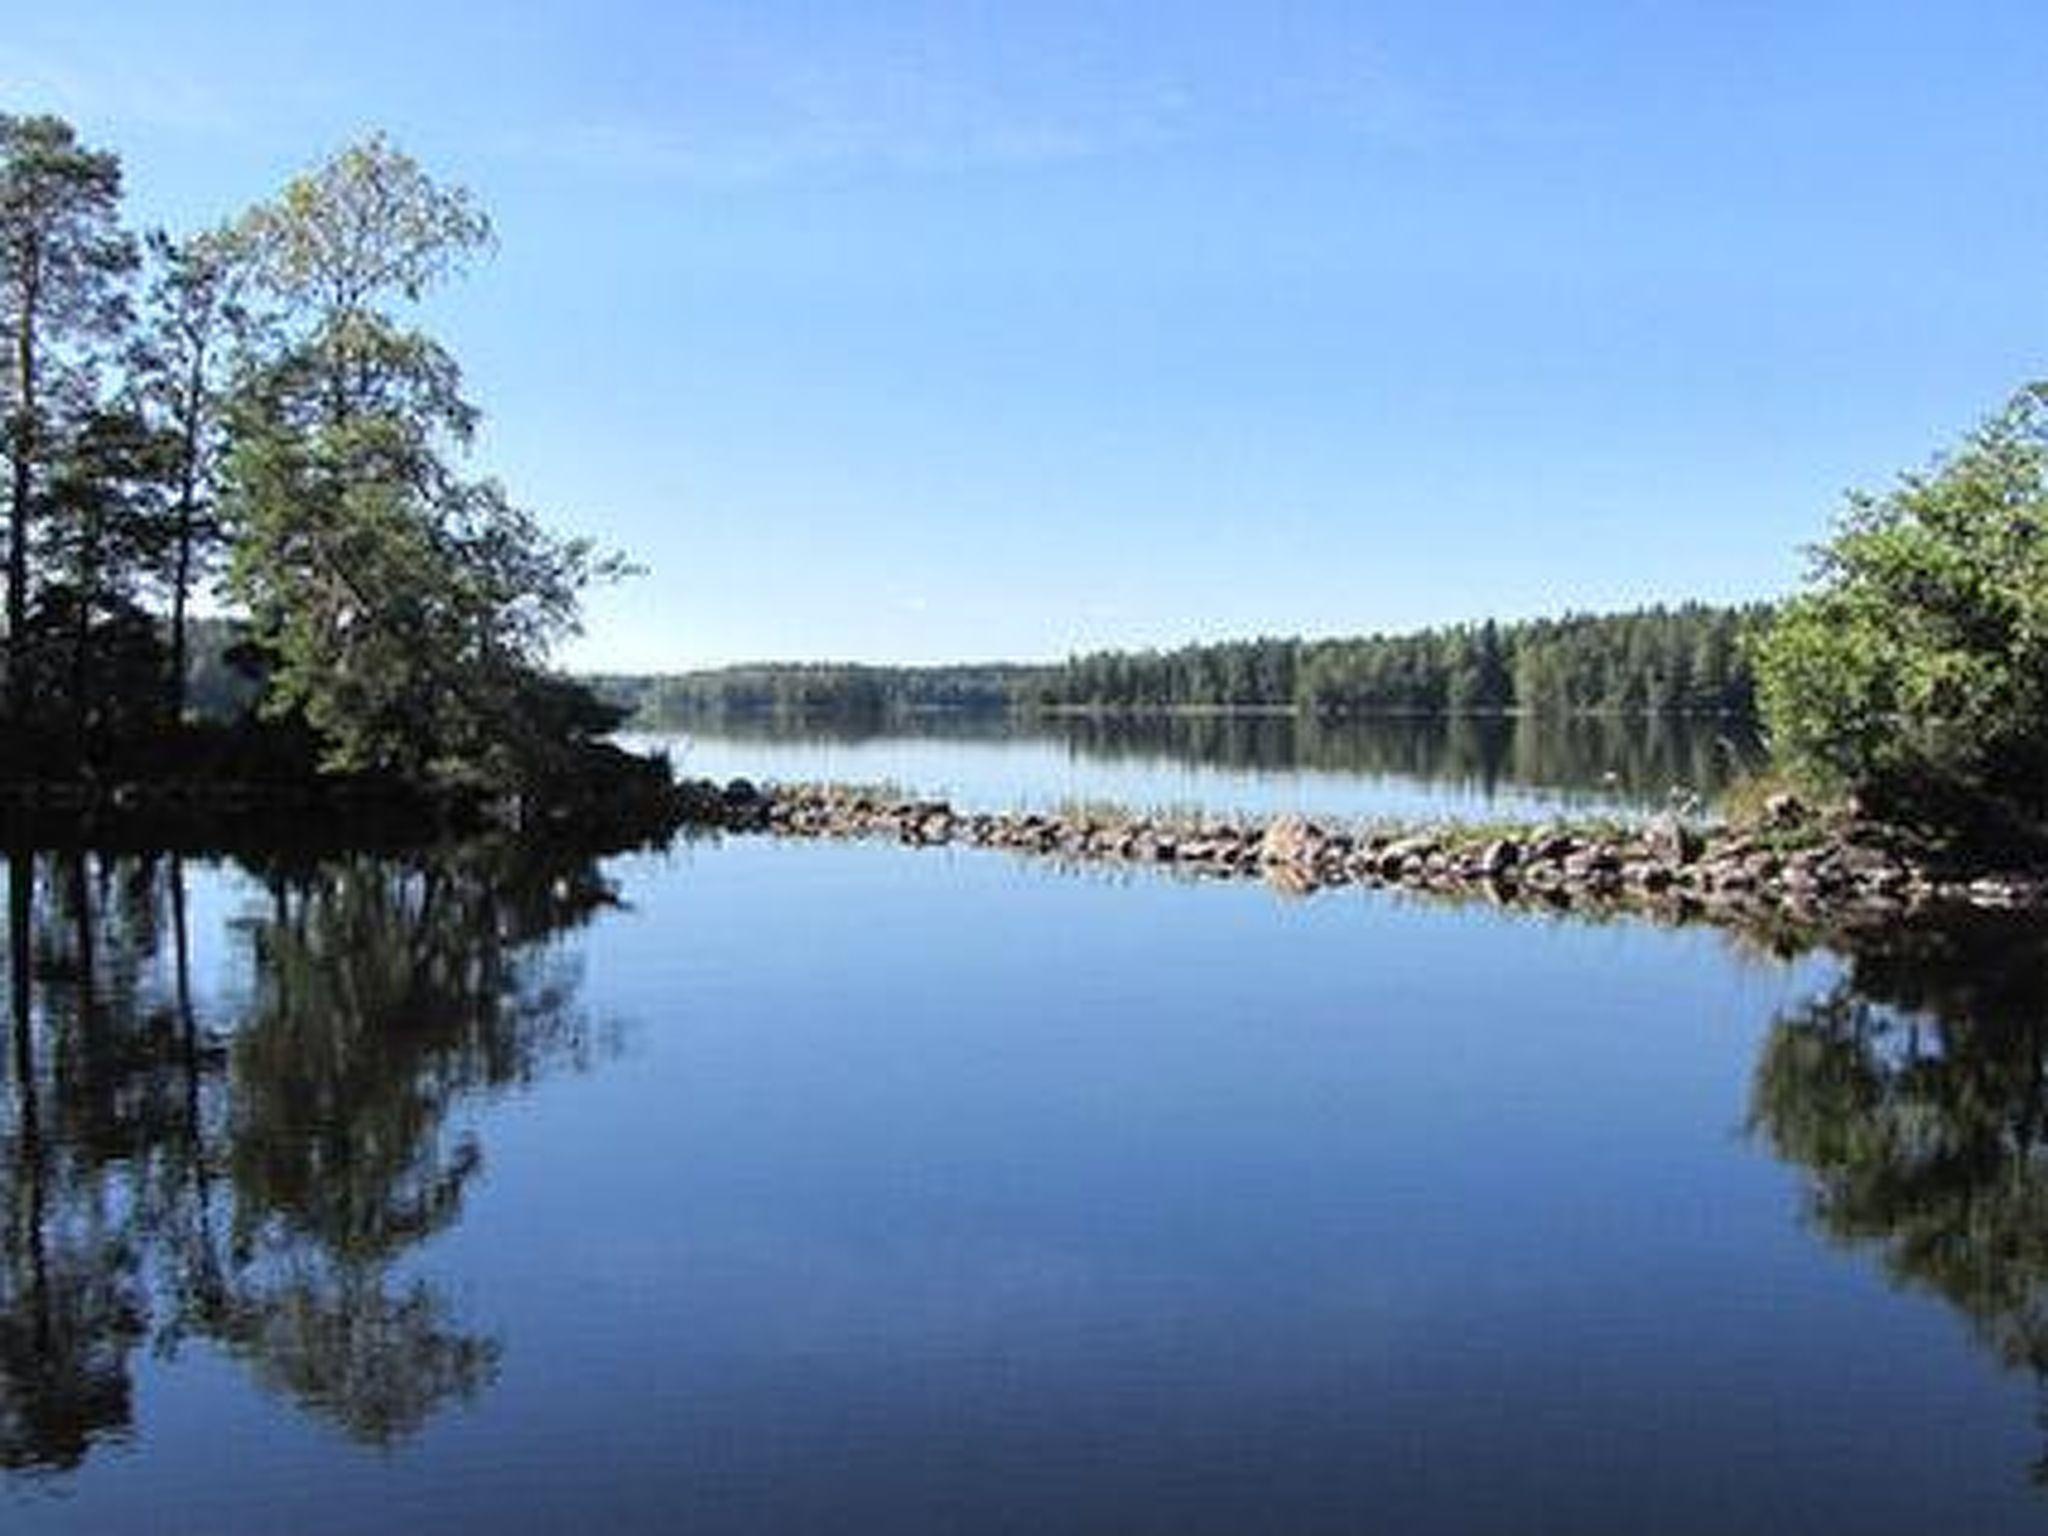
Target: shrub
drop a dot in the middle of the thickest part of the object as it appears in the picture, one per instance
(1914, 671)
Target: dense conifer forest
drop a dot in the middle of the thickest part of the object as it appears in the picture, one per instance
(1691, 659)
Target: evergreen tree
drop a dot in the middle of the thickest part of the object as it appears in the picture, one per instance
(64, 265)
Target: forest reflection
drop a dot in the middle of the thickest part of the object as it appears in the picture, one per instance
(254, 1175)
(1913, 1097)
(238, 1139)
(1630, 756)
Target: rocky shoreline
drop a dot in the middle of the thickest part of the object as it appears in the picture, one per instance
(1793, 863)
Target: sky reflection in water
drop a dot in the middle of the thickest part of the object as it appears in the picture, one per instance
(758, 1186)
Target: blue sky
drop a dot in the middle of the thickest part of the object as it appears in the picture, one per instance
(937, 331)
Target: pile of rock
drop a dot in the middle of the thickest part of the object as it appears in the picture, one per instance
(1790, 863)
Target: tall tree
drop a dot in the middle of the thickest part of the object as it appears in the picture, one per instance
(96, 662)
(407, 609)
(198, 328)
(64, 261)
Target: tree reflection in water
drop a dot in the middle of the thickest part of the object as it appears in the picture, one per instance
(257, 1181)
(1914, 1095)
(1595, 757)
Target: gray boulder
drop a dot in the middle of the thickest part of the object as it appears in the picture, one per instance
(1672, 840)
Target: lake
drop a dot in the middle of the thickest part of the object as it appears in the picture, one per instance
(760, 1186)
(1385, 768)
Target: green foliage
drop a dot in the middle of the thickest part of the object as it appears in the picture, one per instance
(197, 337)
(1685, 660)
(1654, 661)
(367, 225)
(269, 412)
(87, 641)
(406, 610)
(1915, 672)
(850, 691)
(64, 264)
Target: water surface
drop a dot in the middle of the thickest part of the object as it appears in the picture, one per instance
(761, 1187)
(1394, 768)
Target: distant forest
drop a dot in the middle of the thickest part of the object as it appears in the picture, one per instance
(795, 688)
(1692, 659)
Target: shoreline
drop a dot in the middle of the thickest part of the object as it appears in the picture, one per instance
(628, 807)
(1790, 864)
(1793, 865)
(656, 724)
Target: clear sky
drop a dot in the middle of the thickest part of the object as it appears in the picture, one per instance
(897, 331)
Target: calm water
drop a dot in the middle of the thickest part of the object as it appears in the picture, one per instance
(776, 1187)
(1404, 769)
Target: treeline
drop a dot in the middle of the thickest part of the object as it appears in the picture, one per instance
(244, 418)
(855, 691)
(1691, 659)
(1685, 660)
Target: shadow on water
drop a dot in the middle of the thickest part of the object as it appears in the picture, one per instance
(256, 1181)
(1912, 1096)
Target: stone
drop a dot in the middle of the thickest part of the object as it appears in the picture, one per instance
(1290, 840)
(1991, 891)
(1588, 863)
(1784, 809)
(1672, 840)
(1405, 857)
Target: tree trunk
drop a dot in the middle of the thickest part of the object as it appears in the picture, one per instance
(81, 683)
(20, 886)
(188, 515)
(27, 1240)
(21, 449)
